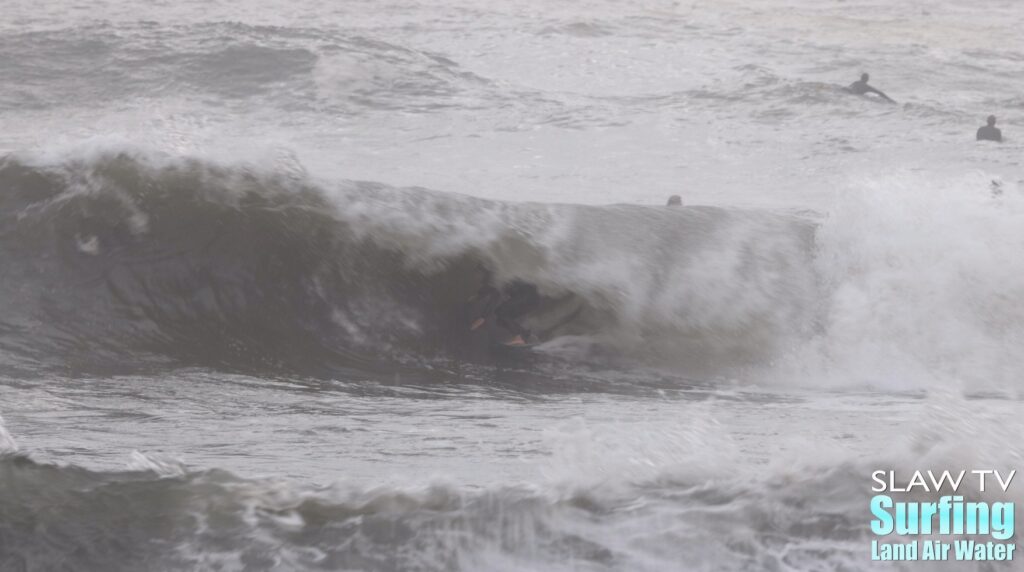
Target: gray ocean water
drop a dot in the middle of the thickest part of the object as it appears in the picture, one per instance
(237, 239)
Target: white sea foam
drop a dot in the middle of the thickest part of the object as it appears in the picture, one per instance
(7, 444)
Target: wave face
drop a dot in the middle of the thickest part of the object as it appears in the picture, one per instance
(112, 255)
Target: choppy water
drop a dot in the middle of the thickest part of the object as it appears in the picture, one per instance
(236, 240)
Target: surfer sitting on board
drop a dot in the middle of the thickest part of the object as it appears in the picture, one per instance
(506, 307)
(862, 88)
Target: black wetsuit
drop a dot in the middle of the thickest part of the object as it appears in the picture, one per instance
(508, 306)
(521, 299)
(989, 133)
(861, 87)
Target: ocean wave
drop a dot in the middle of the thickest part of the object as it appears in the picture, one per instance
(285, 68)
(120, 257)
(116, 257)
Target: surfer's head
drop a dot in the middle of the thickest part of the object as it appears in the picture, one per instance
(991, 120)
(675, 201)
(864, 77)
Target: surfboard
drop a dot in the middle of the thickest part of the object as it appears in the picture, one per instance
(531, 343)
(521, 348)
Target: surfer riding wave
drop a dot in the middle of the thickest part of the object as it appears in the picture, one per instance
(504, 308)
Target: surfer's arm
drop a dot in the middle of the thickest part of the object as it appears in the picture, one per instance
(882, 95)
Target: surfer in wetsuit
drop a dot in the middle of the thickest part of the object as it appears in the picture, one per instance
(990, 132)
(861, 87)
(507, 306)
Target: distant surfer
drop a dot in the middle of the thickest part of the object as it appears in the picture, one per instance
(506, 307)
(997, 188)
(861, 87)
(675, 201)
(990, 132)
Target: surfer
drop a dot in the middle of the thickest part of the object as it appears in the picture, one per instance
(997, 188)
(675, 201)
(861, 87)
(990, 132)
(506, 307)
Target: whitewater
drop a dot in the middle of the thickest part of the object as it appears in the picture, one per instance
(237, 241)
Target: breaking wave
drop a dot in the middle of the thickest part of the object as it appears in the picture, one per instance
(114, 256)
